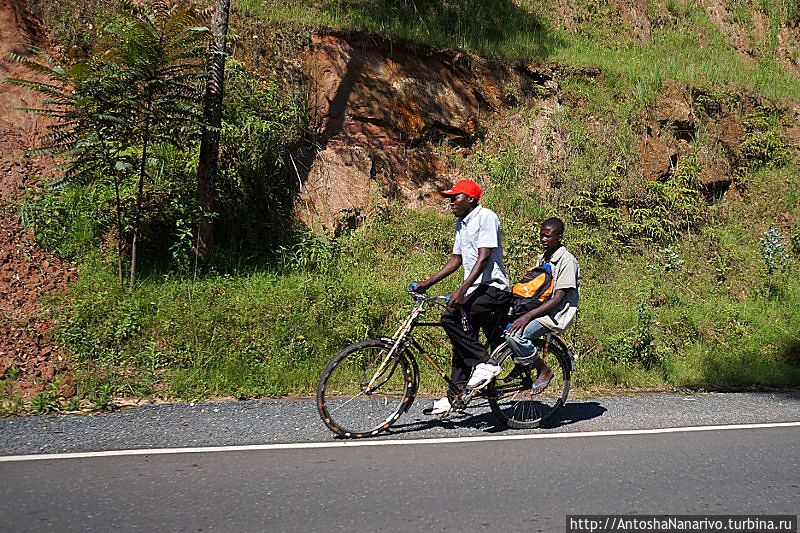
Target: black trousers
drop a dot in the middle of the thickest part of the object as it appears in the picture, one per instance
(486, 309)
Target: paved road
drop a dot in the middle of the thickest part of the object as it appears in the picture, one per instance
(285, 421)
(501, 485)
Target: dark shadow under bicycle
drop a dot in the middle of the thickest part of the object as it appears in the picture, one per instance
(574, 412)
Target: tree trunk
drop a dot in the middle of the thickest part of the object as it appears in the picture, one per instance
(120, 232)
(139, 197)
(209, 145)
(117, 208)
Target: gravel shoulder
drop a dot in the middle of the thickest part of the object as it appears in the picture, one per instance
(296, 420)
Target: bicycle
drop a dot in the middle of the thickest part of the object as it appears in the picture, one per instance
(368, 385)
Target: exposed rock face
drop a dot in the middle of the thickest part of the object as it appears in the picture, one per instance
(682, 114)
(378, 106)
(669, 134)
(339, 186)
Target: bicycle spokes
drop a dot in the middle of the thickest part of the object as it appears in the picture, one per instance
(361, 393)
(512, 399)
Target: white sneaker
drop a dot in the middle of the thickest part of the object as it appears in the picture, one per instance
(439, 407)
(483, 374)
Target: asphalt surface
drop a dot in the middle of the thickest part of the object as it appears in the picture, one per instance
(507, 485)
(289, 421)
(432, 483)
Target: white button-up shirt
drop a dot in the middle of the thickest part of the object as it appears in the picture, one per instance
(481, 229)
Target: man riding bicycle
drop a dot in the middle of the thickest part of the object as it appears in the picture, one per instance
(481, 302)
(368, 385)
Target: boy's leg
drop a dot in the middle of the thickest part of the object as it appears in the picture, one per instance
(521, 343)
(525, 355)
(544, 375)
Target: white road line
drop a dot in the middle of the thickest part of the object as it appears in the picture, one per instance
(405, 442)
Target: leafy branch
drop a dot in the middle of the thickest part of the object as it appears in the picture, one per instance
(140, 89)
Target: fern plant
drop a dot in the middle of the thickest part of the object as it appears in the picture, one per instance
(141, 88)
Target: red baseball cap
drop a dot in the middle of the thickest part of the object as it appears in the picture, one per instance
(468, 187)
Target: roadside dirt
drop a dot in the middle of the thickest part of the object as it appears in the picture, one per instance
(27, 274)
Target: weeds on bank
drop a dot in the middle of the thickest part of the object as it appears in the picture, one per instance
(700, 315)
(265, 333)
(48, 401)
(10, 402)
(674, 292)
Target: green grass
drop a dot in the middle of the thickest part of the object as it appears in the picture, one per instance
(688, 48)
(668, 307)
(648, 319)
(498, 28)
(693, 51)
(261, 333)
(684, 44)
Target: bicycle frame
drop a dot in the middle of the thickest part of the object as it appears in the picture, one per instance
(402, 339)
(385, 392)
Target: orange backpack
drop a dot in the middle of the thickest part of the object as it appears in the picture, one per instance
(533, 289)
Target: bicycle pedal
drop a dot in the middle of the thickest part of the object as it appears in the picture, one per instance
(453, 412)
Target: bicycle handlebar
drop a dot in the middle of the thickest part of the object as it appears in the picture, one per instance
(439, 300)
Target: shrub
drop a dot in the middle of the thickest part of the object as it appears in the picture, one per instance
(70, 222)
(657, 213)
(762, 145)
(112, 111)
(262, 124)
(775, 252)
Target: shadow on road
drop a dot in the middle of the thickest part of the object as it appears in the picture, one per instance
(485, 421)
(569, 414)
(575, 412)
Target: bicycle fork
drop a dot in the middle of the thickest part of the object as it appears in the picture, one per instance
(399, 341)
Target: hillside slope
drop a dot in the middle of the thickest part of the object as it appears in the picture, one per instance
(665, 133)
(27, 273)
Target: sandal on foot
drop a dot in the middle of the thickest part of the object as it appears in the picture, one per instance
(539, 387)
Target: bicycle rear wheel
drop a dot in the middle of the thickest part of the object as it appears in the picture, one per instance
(353, 408)
(510, 394)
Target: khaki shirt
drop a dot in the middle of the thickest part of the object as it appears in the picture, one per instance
(566, 276)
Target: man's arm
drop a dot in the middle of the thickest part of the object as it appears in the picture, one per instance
(451, 266)
(457, 298)
(551, 304)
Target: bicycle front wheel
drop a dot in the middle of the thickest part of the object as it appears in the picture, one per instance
(510, 394)
(361, 393)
